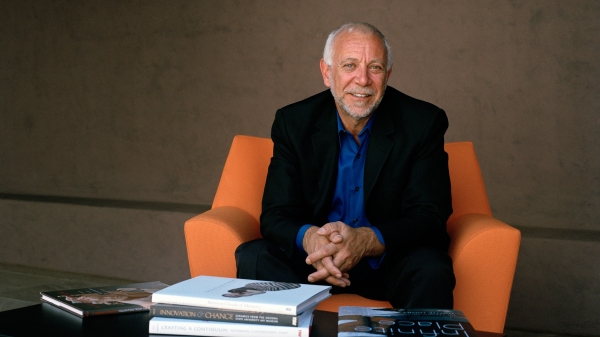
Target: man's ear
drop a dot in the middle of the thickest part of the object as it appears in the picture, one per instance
(325, 73)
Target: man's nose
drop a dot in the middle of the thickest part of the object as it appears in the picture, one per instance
(362, 76)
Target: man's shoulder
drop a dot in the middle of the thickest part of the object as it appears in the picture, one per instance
(322, 99)
(409, 114)
(304, 114)
(405, 102)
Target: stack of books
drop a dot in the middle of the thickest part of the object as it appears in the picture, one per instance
(220, 306)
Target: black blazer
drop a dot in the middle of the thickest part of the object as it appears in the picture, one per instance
(407, 184)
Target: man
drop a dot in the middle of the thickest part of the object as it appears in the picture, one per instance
(358, 190)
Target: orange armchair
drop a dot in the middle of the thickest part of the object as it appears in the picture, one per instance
(483, 249)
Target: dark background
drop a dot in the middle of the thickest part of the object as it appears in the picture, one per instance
(116, 118)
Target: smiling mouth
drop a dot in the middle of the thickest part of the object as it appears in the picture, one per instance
(360, 95)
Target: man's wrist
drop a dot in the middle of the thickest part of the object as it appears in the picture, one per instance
(374, 245)
(308, 234)
(300, 238)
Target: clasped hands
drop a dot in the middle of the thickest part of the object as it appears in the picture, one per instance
(335, 248)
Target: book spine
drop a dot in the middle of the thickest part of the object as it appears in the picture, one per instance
(224, 304)
(100, 312)
(222, 315)
(202, 328)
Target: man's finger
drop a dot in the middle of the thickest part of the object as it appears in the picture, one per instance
(331, 268)
(342, 262)
(336, 237)
(323, 252)
(318, 275)
(340, 282)
(330, 227)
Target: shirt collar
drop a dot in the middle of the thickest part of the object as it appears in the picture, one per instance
(368, 126)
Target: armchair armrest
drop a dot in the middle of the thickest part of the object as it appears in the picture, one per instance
(212, 237)
(484, 252)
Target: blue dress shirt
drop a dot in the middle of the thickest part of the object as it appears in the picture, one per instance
(348, 204)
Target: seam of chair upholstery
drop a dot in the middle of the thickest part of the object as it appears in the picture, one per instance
(473, 237)
(220, 224)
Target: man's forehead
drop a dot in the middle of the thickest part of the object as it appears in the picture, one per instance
(347, 43)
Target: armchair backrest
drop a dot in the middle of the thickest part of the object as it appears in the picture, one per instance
(468, 190)
(244, 175)
(245, 171)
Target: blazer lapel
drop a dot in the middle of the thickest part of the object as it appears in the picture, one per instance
(380, 146)
(325, 143)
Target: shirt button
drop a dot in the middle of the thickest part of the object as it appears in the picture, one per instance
(358, 155)
(355, 220)
(357, 188)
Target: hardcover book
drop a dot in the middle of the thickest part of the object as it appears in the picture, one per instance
(190, 327)
(226, 315)
(366, 321)
(241, 294)
(108, 300)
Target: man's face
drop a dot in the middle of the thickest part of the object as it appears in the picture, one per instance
(357, 76)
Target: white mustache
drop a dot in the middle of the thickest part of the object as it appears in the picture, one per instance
(360, 92)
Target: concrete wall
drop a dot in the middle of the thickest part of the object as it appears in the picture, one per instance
(126, 243)
(136, 102)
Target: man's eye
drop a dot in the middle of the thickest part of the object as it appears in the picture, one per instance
(349, 65)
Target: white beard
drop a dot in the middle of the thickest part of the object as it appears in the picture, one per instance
(357, 111)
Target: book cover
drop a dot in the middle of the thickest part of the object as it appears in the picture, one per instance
(190, 327)
(366, 321)
(107, 300)
(226, 315)
(241, 294)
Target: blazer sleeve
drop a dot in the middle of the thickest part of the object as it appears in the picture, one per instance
(284, 208)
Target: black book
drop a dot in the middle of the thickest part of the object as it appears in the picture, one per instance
(107, 300)
(366, 321)
(226, 315)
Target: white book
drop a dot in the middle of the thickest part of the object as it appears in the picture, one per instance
(191, 327)
(242, 294)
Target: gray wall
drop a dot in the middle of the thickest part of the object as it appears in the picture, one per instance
(137, 101)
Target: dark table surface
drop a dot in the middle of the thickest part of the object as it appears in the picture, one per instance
(47, 320)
